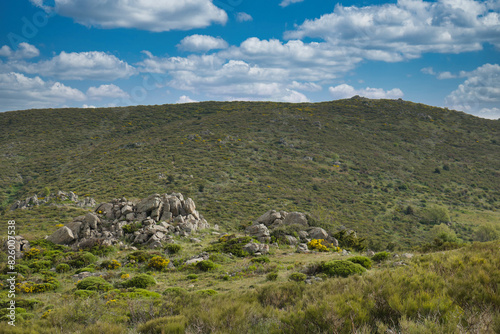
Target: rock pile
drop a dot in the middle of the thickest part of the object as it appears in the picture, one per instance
(264, 225)
(60, 196)
(151, 221)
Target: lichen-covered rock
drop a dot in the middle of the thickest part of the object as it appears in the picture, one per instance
(318, 233)
(62, 236)
(296, 218)
(261, 232)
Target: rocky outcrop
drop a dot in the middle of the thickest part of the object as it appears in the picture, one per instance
(19, 245)
(260, 231)
(150, 221)
(254, 248)
(58, 198)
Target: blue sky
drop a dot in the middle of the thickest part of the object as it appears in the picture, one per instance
(102, 53)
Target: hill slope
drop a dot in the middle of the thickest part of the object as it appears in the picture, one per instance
(377, 166)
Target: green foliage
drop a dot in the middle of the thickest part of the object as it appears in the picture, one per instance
(272, 276)
(63, 268)
(192, 276)
(141, 281)
(94, 283)
(175, 291)
(435, 215)
(84, 294)
(47, 245)
(173, 248)
(350, 240)
(38, 265)
(131, 228)
(135, 293)
(380, 256)
(230, 244)
(81, 259)
(164, 325)
(486, 232)
(342, 268)
(206, 265)
(297, 277)
(362, 260)
(96, 247)
(158, 263)
(110, 264)
(260, 259)
(207, 292)
(280, 295)
(141, 256)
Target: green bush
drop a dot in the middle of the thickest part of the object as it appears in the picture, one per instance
(142, 281)
(175, 291)
(94, 283)
(435, 215)
(110, 264)
(164, 325)
(21, 269)
(206, 265)
(62, 268)
(273, 276)
(38, 265)
(192, 276)
(84, 293)
(207, 292)
(260, 259)
(350, 240)
(81, 259)
(362, 260)
(135, 293)
(380, 256)
(298, 277)
(158, 263)
(89, 269)
(341, 268)
(47, 245)
(131, 228)
(280, 295)
(141, 256)
(230, 244)
(173, 248)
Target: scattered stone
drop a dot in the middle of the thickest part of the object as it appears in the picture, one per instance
(53, 199)
(260, 232)
(370, 253)
(254, 248)
(318, 233)
(302, 248)
(291, 240)
(407, 256)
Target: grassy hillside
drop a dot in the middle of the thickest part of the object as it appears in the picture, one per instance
(381, 167)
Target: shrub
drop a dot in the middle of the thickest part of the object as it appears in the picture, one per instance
(158, 263)
(110, 264)
(319, 245)
(81, 259)
(173, 248)
(175, 291)
(94, 283)
(84, 293)
(435, 215)
(131, 228)
(192, 276)
(33, 253)
(142, 281)
(341, 268)
(260, 259)
(349, 239)
(207, 292)
(362, 260)
(47, 245)
(140, 293)
(380, 256)
(219, 258)
(89, 269)
(96, 247)
(206, 265)
(171, 325)
(62, 268)
(298, 277)
(22, 269)
(230, 244)
(273, 276)
(141, 256)
(280, 295)
(37, 265)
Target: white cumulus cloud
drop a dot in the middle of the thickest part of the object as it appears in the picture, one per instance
(346, 91)
(285, 3)
(185, 99)
(151, 15)
(479, 94)
(405, 30)
(201, 43)
(243, 17)
(104, 91)
(24, 51)
(91, 65)
(18, 91)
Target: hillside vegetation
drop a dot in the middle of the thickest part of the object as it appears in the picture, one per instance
(389, 169)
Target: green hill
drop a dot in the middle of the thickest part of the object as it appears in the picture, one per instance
(389, 169)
